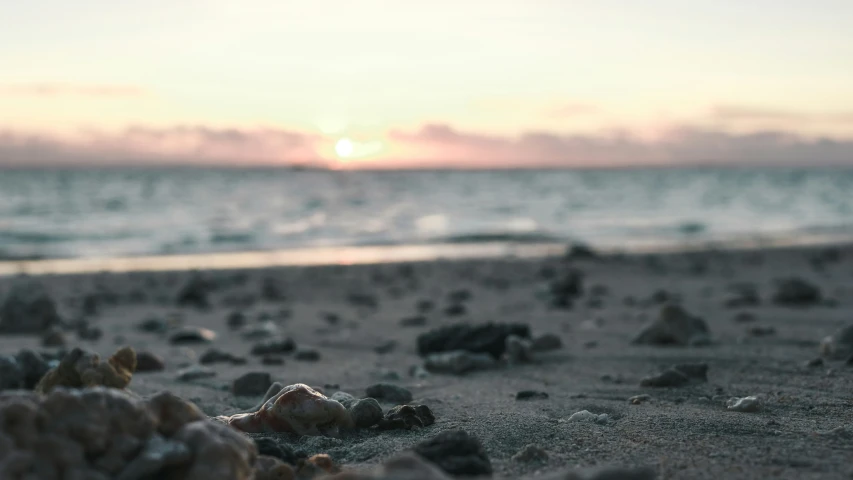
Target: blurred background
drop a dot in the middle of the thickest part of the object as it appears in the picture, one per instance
(153, 128)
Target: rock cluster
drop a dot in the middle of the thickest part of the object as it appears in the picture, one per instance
(80, 368)
(487, 338)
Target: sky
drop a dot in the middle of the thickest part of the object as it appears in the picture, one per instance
(405, 84)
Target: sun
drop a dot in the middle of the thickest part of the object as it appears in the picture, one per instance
(344, 147)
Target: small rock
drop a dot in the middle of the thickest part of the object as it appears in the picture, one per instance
(157, 455)
(149, 362)
(760, 331)
(485, 338)
(742, 295)
(745, 317)
(153, 325)
(33, 366)
(236, 320)
(89, 333)
(455, 310)
(546, 343)
(191, 335)
(674, 326)
(11, 374)
(749, 404)
(839, 345)
(416, 321)
(389, 393)
(214, 355)
(418, 371)
(678, 375)
(385, 347)
(456, 453)
(425, 306)
(814, 363)
(344, 399)
(282, 451)
(195, 372)
(583, 416)
(272, 360)
(530, 453)
(307, 355)
(54, 337)
(194, 292)
(796, 292)
(531, 395)
(27, 308)
(275, 346)
(458, 362)
(252, 384)
(518, 350)
(261, 332)
(638, 399)
(407, 417)
(365, 413)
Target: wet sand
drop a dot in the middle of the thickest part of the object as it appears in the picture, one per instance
(683, 432)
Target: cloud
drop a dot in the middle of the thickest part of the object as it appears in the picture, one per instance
(752, 113)
(68, 89)
(175, 145)
(441, 145)
(572, 110)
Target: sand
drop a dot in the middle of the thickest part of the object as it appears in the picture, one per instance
(683, 432)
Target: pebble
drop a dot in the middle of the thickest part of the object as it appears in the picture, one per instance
(272, 360)
(749, 404)
(678, 375)
(191, 335)
(11, 374)
(387, 392)
(458, 362)
(236, 320)
(406, 417)
(33, 366)
(385, 347)
(157, 454)
(418, 371)
(27, 308)
(455, 310)
(531, 395)
(416, 321)
(215, 355)
(583, 416)
(456, 452)
(365, 412)
(518, 350)
(760, 331)
(745, 317)
(566, 288)
(484, 338)
(839, 345)
(425, 306)
(638, 399)
(149, 362)
(54, 337)
(814, 363)
(153, 325)
(260, 332)
(274, 346)
(307, 355)
(530, 453)
(742, 295)
(194, 292)
(796, 292)
(252, 384)
(674, 326)
(282, 451)
(546, 343)
(194, 372)
(344, 399)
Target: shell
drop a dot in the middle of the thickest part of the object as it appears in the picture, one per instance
(297, 409)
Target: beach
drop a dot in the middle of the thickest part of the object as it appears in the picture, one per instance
(360, 323)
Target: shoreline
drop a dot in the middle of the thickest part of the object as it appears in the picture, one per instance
(388, 254)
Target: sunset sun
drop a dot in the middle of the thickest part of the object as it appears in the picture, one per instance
(344, 147)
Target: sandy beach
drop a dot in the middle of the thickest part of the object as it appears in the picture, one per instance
(362, 322)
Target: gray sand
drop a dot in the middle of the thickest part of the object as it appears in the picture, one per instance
(684, 432)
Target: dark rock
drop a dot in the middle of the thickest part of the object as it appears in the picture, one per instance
(274, 346)
(194, 293)
(745, 317)
(89, 333)
(530, 395)
(579, 251)
(459, 296)
(282, 451)
(33, 366)
(530, 453)
(363, 300)
(796, 292)
(330, 318)
(484, 338)
(190, 335)
(566, 288)
(839, 345)
(307, 355)
(194, 372)
(149, 362)
(416, 321)
(236, 320)
(11, 374)
(456, 453)
(760, 331)
(455, 310)
(252, 384)
(54, 337)
(407, 417)
(365, 412)
(153, 325)
(546, 343)
(27, 308)
(271, 360)
(389, 393)
(214, 355)
(678, 375)
(425, 306)
(814, 363)
(674, 326)
(385, 347)
(742, 295)
(271, 291)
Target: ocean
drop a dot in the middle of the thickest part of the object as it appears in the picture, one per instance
(103, 213)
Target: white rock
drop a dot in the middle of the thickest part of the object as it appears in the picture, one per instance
(749, 404)
(583, 416)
